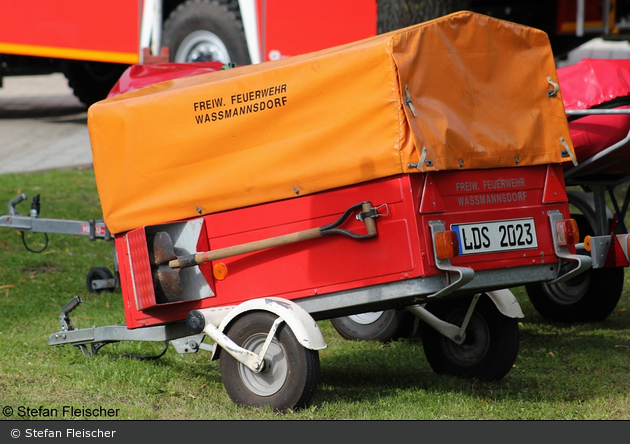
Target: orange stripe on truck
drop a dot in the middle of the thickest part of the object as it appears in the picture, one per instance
(70, 53)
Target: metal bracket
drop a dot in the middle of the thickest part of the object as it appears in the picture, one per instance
(368, 214)
(462, 330)
(466, 274)
(583, 262)
(373, 212)
(103, 284)
(599, 250)
(250, 359)
(191, 344)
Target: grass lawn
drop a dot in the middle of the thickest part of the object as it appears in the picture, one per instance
(563, 371)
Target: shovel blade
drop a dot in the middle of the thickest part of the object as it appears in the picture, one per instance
(162, 250)
(167, 284)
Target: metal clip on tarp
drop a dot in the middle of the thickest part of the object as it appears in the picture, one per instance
(409, 102)
(567, 151)
(554, 91)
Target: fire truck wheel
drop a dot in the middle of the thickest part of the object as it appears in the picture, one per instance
(489, 349)
(384, 326)
(206, 31)
(92, 81)
(98, 273)
(289, 377)
(589, 297)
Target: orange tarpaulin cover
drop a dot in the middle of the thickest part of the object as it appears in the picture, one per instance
(471, 89)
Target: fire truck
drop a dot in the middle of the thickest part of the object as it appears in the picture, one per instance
(92, 43)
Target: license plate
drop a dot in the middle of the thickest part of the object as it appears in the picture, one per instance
(502, 235)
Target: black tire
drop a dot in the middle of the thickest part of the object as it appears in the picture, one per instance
(92, 81)
(489, 350)
(588, 297)
(291, 371)
(98, 273)
(585, 203)
(384, 326)
(205, 31)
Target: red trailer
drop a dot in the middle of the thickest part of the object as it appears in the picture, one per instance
(247, 204)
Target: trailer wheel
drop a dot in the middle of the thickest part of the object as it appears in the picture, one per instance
(98, 273)
(489, 349)
(289, 378)
(206, 31)
(588, 297)
(384, 326)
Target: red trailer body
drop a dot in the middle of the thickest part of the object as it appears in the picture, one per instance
(500, 217)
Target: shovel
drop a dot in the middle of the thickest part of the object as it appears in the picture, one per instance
(166, 264)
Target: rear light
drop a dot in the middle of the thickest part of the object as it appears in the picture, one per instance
(567, 232)
(446, 244)
(587, 243)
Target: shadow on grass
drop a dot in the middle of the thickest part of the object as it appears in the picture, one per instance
(556, 363)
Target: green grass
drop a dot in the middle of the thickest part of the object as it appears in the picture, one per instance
(563, 371)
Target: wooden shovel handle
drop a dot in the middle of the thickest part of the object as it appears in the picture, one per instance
(368, 216)
(222, 253)
(370, 222)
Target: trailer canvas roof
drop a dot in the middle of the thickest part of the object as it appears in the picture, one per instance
(471, 89)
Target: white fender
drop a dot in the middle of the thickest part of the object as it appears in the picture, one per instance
(506, 303)
(299, 320)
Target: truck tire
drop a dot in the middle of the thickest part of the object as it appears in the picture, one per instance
(384, 326)
(92, 81)
(206, 31)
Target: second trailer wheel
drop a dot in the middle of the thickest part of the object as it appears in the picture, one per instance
(384, 326)
(489, 349)
(95, 274)
(290, 373)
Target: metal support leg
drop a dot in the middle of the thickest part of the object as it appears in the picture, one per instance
(455, 333)
(599, 194)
